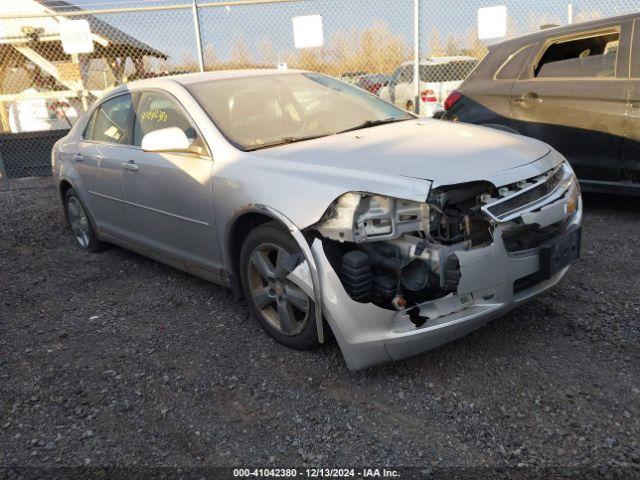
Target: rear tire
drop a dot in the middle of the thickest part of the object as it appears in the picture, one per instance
(281, 308)
(80, 223)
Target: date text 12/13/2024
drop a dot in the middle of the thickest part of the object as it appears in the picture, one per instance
(316, 473)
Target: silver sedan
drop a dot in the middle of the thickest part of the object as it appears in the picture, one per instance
(322, 205)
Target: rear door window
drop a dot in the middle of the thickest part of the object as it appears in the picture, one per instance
(587, 57)
(109, 121)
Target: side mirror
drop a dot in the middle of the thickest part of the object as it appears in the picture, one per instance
(169, 140)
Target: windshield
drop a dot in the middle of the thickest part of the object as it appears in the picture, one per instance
(267, 110)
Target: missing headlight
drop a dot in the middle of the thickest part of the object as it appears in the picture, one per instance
(362, 217)
(397, 253)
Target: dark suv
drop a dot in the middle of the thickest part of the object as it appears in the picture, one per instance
(576, 88)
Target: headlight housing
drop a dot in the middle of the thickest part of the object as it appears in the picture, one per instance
(360, 217)
(573, 207)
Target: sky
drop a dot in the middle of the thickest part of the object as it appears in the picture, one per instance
(222, 28)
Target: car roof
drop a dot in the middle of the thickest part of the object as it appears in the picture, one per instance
(544, 34)
(226, 74)
(192, 78)
(441, 60)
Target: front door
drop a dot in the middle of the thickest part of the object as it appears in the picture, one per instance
(574, 98)
(169, 195)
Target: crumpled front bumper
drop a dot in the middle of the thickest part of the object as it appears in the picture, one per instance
(369, 335)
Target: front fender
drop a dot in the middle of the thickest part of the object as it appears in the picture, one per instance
(298, 236)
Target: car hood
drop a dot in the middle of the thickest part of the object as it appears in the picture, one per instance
(443, 152)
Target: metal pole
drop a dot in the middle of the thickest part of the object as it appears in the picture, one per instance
(570, 13)
(196, 27)
(3, 171)
(416, 54)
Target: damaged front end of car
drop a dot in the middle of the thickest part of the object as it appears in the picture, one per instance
(399, 277)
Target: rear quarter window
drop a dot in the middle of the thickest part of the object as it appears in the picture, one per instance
(512, 67)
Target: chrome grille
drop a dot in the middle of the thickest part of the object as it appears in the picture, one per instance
(519, 201)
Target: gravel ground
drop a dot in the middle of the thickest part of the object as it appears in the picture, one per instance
(113, 359)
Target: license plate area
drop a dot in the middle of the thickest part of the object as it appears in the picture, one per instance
(559, 252)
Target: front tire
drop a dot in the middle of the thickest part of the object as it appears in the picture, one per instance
(80, 223)
(281, 308)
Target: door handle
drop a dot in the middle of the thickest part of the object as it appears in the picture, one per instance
(130, 165)
(81, 158)
(529, 98)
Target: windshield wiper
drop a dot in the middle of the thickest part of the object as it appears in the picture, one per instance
(283, 141)
(373, 123)
(286, 140)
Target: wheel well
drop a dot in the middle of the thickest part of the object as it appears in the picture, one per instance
(239, 231)
(64, 186)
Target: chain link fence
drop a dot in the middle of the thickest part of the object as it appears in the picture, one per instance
(49, 76)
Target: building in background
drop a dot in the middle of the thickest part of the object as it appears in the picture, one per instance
(45, 87)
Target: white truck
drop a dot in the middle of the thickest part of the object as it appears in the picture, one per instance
(439, 76)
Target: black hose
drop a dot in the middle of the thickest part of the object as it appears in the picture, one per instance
(392, 264)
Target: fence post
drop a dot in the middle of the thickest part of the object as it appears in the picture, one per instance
(416, 54)
(3, 171)
(196, 27)
(570, 13)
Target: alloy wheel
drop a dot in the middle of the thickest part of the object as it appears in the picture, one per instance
(280, 302)
(79, 222)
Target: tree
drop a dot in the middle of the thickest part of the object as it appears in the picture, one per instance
(587, 15)
(452, 46)
(512, 29)
(308, 60)
(341, 52)
(434, 48)
(240, 56)
(475, 47)
(537, 21)
(267, 53)
(187, 63)
(379, 50)
(210, 57)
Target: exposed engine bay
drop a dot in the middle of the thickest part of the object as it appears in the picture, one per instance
(397, 254)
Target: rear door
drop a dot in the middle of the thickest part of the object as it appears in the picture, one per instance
(106, 141)
(169, 195)
(573, 96)
(631, 149)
